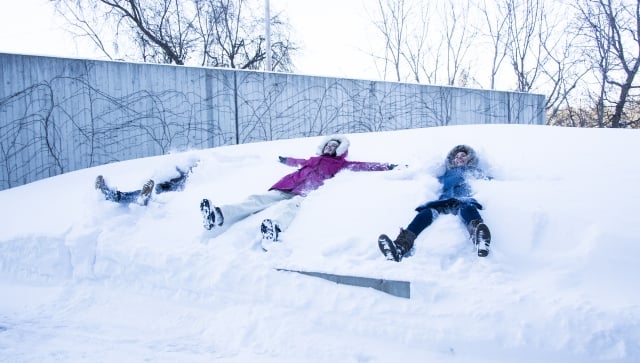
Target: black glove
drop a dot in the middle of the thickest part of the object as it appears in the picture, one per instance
(392, 166)
(282, 159)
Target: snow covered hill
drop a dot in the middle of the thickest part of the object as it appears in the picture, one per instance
(83, 279)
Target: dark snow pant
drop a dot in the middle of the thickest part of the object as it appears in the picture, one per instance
(117, 196)
(425, 217)
(170, 185)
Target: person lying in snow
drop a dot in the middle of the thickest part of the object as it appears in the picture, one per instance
(331, 159)
(461, 164)
(143, 195)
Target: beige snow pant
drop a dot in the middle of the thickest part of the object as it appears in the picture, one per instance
(283, 213)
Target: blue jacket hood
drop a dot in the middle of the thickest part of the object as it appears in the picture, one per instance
(473, 158)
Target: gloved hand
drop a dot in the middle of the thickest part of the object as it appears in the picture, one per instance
(394, 166)
(282, 159)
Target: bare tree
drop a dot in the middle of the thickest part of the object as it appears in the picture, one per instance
(524, 25)
(393, 28)
(612, 29)
(495, 23)
(421, 47)
(223, 33)
(458, 35)
(532, 42)
(540, 49)
(564, 73)
(418, 48)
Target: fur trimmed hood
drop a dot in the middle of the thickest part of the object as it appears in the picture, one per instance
(473, 158)
(342, 149)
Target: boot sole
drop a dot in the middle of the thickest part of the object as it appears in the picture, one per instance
(205, 210)
(487, 242)
(388, 248)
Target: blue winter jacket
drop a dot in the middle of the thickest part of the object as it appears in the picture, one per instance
(455, 188)
(454, 182)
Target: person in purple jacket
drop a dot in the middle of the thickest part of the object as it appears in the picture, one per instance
(312, 172)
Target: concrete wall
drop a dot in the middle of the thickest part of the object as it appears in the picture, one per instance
(59, 115)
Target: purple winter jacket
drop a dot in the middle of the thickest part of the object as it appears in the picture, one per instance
(315, 170)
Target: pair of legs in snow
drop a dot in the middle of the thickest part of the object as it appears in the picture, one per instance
(478, 231)
(286, 206)
(141, 196)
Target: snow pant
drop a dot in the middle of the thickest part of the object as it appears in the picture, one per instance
(426, 216)
(117, 196)
(174, 184)
(283, 214)
(114, 195)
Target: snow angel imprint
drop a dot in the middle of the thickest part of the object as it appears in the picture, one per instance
(461, 164)
(312, 172)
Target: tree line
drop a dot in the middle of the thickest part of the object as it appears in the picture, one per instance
(583, 55)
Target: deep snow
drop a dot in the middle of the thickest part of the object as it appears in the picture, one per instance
(84, 279)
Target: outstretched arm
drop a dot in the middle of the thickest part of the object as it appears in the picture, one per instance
(480, 174)
(291, 161)
(369, 166)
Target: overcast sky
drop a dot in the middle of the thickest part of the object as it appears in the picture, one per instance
(333, 34)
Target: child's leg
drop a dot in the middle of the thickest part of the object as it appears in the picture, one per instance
(253, 204)
(468, 213)
(422, 220)
(286, 212)
(174, 184)
(114, 195)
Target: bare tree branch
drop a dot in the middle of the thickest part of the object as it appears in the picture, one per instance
(221, 33)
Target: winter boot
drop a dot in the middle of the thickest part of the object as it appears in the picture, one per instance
(211, 215)
(480, 236)
(395, 250)
(100, 183)
(109, 194)
(404, 241)
(145, 193)
(270, 231)
(388, 248)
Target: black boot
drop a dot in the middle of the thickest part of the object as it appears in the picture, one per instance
(404, 241)
(480, 236)
(395, 250)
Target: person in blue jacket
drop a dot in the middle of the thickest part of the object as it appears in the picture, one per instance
(461, 164)
(142, 196)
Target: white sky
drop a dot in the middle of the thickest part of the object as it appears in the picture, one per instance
(333, 34)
